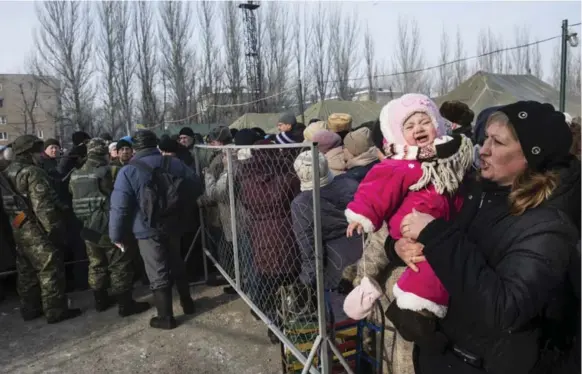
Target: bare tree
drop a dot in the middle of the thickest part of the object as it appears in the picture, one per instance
(301, 37)
(277, 56)
(108, 41)
(572, 70)
(210, 58)
(370, 58)
(576, 76)
(488, 47)
(176, 31)
(408, 58)
(536, 62)
(320, 59)
(64, 51)
(233, 44)
(445, 73)
(344, 51)
(147, 72)
(460, 67)
(125, 56)
(521, 56)
(29, 95)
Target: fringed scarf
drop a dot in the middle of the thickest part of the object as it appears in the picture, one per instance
(444, 163)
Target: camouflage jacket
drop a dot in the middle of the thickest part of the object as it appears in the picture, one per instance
(33, 183)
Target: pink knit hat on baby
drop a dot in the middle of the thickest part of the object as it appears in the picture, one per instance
(397, 111)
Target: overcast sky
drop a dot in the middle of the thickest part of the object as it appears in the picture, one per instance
(18, 22)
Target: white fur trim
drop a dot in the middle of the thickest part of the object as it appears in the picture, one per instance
(410, 301)
(365, 222)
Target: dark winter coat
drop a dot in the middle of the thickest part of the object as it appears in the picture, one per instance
(501, 272)
(73, 159)
(267, 186)
(358, 173)
(339, 251)
(50, 165)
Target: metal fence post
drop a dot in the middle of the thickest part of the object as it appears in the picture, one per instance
(201, 214)
(232, 203)
(321, 307)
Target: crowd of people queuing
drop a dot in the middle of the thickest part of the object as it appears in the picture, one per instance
(473, 230)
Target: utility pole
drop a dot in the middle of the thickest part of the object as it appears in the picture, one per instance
(564, 65)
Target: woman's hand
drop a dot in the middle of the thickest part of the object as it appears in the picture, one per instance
(410, 252)
(354, 226)
(413, 224)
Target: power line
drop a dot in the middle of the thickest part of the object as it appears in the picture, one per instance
(459, 60)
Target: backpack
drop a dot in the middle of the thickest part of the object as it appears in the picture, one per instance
(166, 201)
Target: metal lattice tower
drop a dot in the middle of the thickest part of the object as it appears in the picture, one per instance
(253, 60)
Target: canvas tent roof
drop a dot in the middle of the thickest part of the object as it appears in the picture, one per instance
(484, 90)
(266, 121)
(361, 111)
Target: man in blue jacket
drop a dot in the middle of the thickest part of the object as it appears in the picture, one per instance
(160, 250)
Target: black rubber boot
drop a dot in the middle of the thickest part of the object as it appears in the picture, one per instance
(185, 299)
(163, 302)
(128, 306)
(29, 314)
(64, 315)
(102, 300)
(412, 326)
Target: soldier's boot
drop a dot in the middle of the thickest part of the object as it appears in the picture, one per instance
(128, 306)
(29, 314)
(102, 300)
(163, 302)
(185, 299)
(63, 315)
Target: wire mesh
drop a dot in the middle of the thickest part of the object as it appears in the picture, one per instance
(261, 232)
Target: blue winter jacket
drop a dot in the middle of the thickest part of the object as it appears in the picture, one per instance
(125, 212)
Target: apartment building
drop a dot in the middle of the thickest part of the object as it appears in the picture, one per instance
(28, 105)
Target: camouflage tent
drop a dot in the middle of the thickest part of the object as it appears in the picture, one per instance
(266, 121)
(484, 90)
(361, 111)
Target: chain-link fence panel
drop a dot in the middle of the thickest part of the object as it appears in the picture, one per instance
(267, 241)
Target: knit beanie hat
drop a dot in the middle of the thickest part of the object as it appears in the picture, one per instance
(543, 133)
(79, 137)
(122, 143)
(246, 137)
(326, 140)
(187, 131)
(168, 145)
(97, 147)
(457, 112)
(143, 139)
(396, 112)
(338, 122)
(303, 166)
(112, 146)
(288, 119)
(358, 141)
(49, 142)
(312, 129)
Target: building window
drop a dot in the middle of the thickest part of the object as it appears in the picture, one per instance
(39, 134)
(3, 136)
(1, 103)
(3, 120)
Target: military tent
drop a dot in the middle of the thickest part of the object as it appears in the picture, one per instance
(266, 121)
(361, 111)
(484, 90)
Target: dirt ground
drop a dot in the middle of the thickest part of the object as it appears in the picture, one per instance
(221, 338)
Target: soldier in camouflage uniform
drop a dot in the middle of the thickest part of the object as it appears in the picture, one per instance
(37, 226)
(91, 187)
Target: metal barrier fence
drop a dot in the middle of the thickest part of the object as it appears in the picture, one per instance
(264, 235)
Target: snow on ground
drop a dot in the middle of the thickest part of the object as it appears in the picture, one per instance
(221, 338)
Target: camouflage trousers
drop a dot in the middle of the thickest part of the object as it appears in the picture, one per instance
(41, 272)
(109, 267)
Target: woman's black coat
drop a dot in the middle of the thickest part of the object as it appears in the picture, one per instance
(501, 271)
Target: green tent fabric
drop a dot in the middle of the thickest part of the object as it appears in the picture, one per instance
(173, 129)
(266, 121)
(484, 90)
(361, 111)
